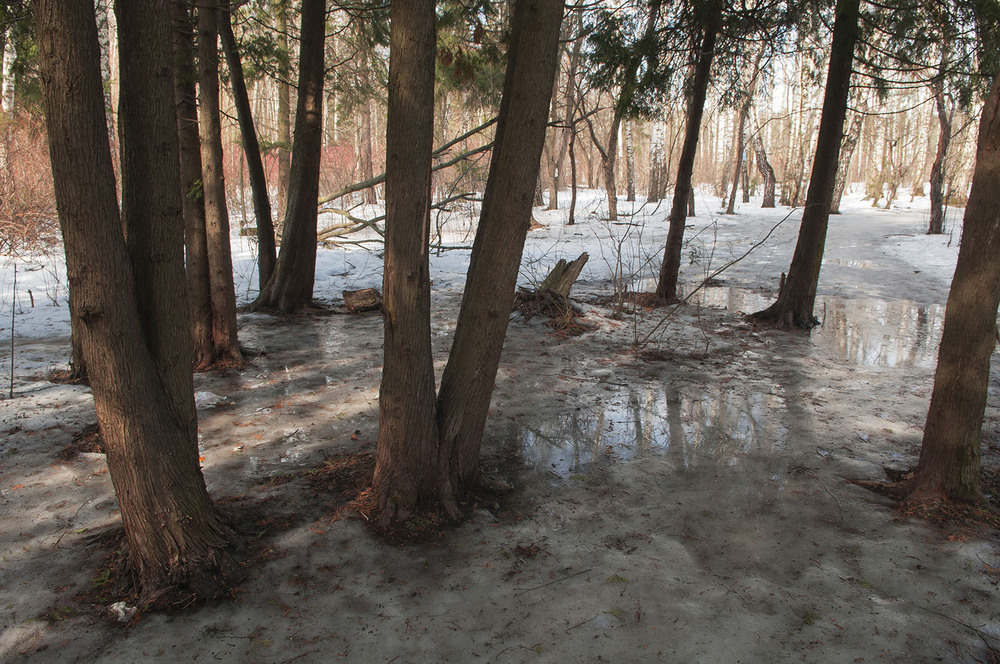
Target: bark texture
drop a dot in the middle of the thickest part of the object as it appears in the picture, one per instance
(944, 115)
(175, 536)
(222, 293)
(666, 287)
(794, 306)
(406, 468)
(291, 286)
(469, 377)
(950, 462)
(151, 197)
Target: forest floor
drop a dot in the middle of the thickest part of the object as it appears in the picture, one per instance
(680, 499)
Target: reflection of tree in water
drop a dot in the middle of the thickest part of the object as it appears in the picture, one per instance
(709, 423)
(888, 334)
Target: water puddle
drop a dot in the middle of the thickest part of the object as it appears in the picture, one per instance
(685, 426)
(858, 331)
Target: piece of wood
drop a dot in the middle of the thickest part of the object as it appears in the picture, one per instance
(563, 275)
(359, 301)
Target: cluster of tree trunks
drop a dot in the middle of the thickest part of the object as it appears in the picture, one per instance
(427, 449)
(124, 288)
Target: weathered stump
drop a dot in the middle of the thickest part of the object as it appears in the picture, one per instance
(359, 301)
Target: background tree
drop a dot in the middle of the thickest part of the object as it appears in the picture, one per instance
(266, 249)
(291, 287)
(189, 155)
(175, 536)
(222, 295)
(797, 295)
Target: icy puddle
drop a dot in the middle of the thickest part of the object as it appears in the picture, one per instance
(864, 331)
(684, 426)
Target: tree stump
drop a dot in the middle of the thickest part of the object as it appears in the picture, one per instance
(564, 275)
(360, 301)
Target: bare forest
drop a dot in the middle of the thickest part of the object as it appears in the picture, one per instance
(499, 331)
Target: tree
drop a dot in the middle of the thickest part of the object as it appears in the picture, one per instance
(619, 66)
(175, 536)
(666, 287)
(406, 468)
(449, 463)
(189, 143)
(266, 250)
(291, 286)
(797, 295)
(222, 293)
(950, 462)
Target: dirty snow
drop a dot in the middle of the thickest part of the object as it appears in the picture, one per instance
(683, 501)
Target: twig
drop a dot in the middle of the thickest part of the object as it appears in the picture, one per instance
(985, 637)
(714, 274)
(569, 576)
(13, 309)
(813, 475)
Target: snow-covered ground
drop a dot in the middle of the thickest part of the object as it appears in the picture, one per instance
(680, 500)
(630, 249)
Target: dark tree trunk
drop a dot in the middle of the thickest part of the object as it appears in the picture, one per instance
(794, 306)
(765, 170)
(666, 288)
(469, 377)
(151, 210)
(266, 250)
(847, 147)
(189, 142)
(291, 287)
(220, 258)
(572, 177)
(950, 458)
(407, 469)
(176, 538)
(937, 178)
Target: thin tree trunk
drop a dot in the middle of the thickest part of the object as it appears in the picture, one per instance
(666, 287)
(950, 462)
(657, 165)
(572, 176)
(847, 147)
(266, 250)
(469, 377)
(629, 163)
(193, 201)
(794, 306)
(936, 225)
(291, 287)
(176, 538)
(7, 88)
(220, 258)
(406, 467)
(766, 171)
(284, 147)
(740, 142)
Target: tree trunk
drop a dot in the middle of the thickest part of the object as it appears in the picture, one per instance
(937, 178)
(764, 167)
(220, 258)
(794, 306)
(657, 162)
(266, 250)
(193, 201)
(740, 141)
(950, 457)
(469, 377)
(666, 287)
(572, 177)
(291, 287)
(847, 148)
(151, 211)
(7, 86)
(629, 164)
(407, 468)
(284, 147)
(176, 538)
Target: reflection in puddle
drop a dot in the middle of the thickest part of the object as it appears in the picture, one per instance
(863, 332)
(717, 425)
